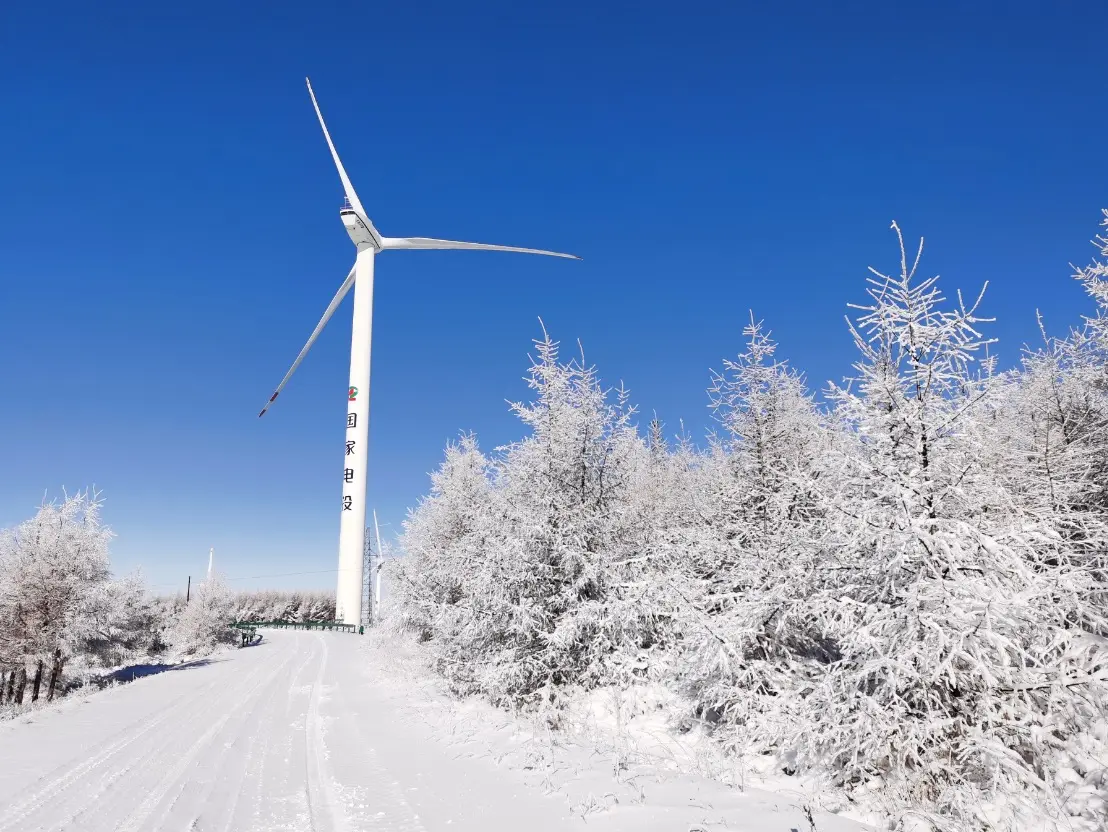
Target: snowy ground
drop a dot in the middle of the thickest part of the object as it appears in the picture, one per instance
(324, 732)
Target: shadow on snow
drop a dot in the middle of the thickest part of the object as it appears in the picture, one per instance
(140, 671)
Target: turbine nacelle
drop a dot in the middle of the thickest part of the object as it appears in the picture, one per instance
(362, 234)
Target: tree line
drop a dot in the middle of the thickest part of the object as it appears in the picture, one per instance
(65, 620)
(900, 584)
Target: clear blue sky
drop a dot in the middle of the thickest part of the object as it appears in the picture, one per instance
(169, 231)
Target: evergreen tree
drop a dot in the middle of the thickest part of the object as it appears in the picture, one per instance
(748, 634)
(948, 602)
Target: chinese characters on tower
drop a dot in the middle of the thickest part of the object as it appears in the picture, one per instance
(348, 473)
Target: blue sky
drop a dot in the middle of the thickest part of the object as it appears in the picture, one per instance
(169, 231)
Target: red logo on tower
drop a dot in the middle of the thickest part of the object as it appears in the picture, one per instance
(353, 394)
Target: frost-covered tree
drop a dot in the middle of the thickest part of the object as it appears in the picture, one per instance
(902, 589)
(205, 622)
(1094, 277)
(52, 568)
(119, 622)
(448, 540)
(960, 668)
(571, 595)
(316, 606)
(1048, 427)
(1085, 358)
(748, 631)
(167, 611)
(762, 462)
(526, 572)
(282, 605)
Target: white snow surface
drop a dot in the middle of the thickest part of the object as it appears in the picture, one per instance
(333, 732)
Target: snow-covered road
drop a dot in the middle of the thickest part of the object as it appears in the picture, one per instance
(314, 732)
(279, 736)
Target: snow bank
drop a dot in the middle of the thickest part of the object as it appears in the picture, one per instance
(617, 761)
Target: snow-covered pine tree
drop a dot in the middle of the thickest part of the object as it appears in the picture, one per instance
(1049, 426)
(959, 670)
(318, 606)
(1091, 347)
(527, 572)
(1094, 277)
(748, 633)
(574, 596)
(448, 539)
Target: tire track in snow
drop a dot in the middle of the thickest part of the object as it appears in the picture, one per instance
(18, 812)
(165, 785)
(162, 746)
(275, 764)
(205, 792)
(258, 769)
(320, 791)
(99, 788)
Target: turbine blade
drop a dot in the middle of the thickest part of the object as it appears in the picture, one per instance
(351, 195)
(429, 243)
(331, 307)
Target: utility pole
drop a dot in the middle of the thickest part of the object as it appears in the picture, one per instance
(188, 590)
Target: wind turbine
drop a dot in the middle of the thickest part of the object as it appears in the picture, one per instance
(368, 242)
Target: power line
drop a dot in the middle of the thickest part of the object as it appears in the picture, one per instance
(274, 575)
(286, 574)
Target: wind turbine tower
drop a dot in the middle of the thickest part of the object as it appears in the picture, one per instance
(368, 242)
(211, 560)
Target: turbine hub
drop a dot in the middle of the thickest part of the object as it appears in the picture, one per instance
(359, 232)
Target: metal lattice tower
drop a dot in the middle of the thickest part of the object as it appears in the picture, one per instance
(367, 580)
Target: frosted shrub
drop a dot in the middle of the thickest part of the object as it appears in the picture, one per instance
(205, 622)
